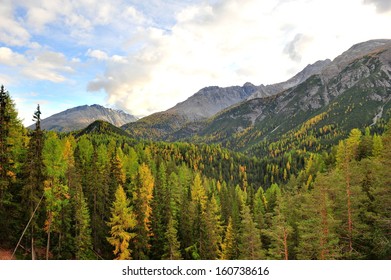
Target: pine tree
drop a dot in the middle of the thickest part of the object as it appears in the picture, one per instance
(121, 223)
(250, 246)
(346, 155)
(280, 230)
(317, 225)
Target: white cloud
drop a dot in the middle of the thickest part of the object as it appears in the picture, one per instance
(12, 32)
(158, 53)
(231, 42)
(37, 64)
(9, 58)
(97, 54)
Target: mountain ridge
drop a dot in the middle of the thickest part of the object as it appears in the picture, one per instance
(317, 83)
(81, 116)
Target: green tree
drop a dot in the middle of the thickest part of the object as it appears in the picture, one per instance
(32, 192)
(55, 187)
(317, 225)
(12, 150)
(172, 245)
(250, 245)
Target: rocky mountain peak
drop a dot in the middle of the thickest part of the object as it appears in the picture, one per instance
(81, 116)
(356, 51)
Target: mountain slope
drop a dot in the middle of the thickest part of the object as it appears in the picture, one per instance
(207, 102)
(102, 127)
(81, 116)
(202, 105)
(352, 91)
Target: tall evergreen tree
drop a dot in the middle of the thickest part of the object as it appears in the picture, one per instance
(12, 150)
(32, 192)
(172, 245)
(250, 245)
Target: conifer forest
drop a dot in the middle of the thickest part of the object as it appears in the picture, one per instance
(100, 194)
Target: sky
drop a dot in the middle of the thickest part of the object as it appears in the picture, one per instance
(147, 56)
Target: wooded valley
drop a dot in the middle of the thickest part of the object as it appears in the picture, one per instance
(99, 194)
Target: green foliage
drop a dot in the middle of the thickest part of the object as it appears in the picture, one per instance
(296, 197)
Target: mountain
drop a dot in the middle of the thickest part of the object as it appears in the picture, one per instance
(354, 90)
(202, 105)
(209, 101)
(81, 116)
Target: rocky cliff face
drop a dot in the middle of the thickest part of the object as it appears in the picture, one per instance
(80, 117)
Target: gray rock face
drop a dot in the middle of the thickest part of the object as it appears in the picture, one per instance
(210, 100)
(81, 116)
(355, 52)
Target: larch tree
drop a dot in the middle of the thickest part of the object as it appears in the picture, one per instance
(142, 198)
(55, 187)
(122, 223)
(229, 246)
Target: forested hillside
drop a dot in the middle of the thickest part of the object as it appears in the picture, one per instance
(98, 194)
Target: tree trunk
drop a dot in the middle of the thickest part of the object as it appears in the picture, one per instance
(286, 243)
(48, 243)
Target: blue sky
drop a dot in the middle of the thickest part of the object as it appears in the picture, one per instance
(146, 56)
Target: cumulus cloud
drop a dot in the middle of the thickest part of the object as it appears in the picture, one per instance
(37, 64)
(97, 54)
(156, 53)
(12, 32)
(228, 43)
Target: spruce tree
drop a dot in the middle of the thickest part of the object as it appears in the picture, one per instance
(34, 177)
(172, 245)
